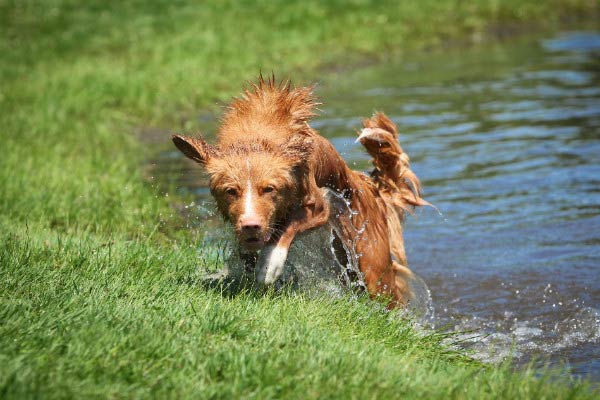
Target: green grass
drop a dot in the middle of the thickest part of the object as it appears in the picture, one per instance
(87, 318)
(99, 285)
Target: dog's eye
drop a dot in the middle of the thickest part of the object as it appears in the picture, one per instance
(231, 192)
(268, 189)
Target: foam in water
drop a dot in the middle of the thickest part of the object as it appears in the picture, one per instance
(522, 339)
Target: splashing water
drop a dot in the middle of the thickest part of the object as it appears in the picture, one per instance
(314, 267)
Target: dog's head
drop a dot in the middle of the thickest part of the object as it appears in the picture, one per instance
(256, 184)
(258, 171)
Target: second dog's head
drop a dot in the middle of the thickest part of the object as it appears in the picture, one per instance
(256, 184)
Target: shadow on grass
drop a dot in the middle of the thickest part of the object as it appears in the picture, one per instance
(233, 286)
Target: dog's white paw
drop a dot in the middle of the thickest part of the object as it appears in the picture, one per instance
(270, 264)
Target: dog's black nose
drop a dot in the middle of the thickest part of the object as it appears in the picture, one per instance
(251, 226)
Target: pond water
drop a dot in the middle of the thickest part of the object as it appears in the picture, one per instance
(506, 140)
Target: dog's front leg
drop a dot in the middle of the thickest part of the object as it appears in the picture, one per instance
(270, 262)
(273, 256)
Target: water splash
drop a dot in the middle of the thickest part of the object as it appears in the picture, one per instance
(320, 261)
(523, 339)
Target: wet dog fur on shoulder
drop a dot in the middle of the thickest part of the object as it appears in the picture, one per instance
(269, 172)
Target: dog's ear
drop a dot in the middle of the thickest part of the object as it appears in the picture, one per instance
(195, 148)
(298, 149)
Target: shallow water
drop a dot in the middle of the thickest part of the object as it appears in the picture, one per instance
(506, 140)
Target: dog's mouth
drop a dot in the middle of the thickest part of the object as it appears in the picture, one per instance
(254, 243)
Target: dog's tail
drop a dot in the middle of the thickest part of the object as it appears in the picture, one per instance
(392, 171)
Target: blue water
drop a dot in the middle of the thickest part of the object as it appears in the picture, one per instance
(506, 140)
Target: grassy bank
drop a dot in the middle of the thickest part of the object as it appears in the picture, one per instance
(99, 291)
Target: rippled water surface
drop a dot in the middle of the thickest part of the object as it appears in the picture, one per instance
(506, 140)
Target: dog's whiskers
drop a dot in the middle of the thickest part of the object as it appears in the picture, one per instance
(275, 232)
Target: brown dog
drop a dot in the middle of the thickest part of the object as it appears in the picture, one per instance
(269, 173)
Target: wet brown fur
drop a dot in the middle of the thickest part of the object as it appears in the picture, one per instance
(265, 139)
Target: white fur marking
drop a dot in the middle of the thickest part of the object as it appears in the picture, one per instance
(364, 133)
(248, 203)
(270, 264)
